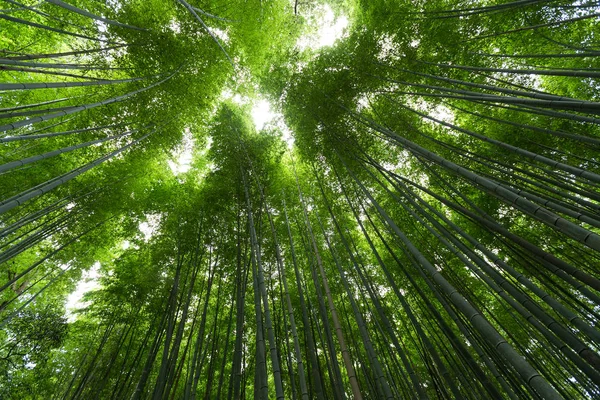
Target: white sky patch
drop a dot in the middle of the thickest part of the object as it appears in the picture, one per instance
(150, 226)
(387, 48)
(102, 28)
(439, 112)
(115, 4)
(235, 97)
(125, 245)
(64, 267)
(239, 99)
(423, 180)
(362, 103)
(220, 34)
(442, 113)
(287, 134)
(88, 281)
(261, 114)
(226, 94)
(174, 26)
(183, 154)
(329, 29)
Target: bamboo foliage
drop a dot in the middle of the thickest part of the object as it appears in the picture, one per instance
(433, 231)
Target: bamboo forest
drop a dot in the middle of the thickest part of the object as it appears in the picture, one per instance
(299, 199)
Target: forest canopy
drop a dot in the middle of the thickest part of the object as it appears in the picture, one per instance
(273, 199)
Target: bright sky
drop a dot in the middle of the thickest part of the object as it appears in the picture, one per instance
(221, 34)
(329, 29)
(261, 114)
(182, 157)
(149, 227)
(88, 281)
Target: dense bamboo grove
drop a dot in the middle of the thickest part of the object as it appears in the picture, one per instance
(433, 232)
